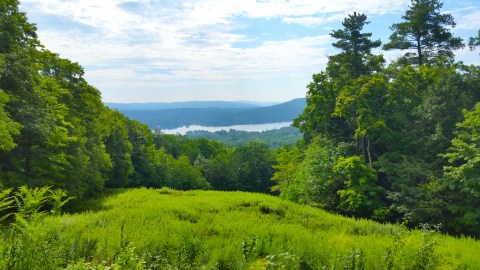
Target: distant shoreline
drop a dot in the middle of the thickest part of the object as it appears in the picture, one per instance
(250, 128)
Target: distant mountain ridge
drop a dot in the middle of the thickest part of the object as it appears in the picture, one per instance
(230, 114)
(183, 105)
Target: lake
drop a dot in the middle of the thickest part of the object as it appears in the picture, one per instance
(257, 127)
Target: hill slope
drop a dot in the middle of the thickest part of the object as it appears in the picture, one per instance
(179, 105)
(173, 118)
(234, 230)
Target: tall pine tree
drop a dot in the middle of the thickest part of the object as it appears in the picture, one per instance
(425, 33)
(355, 58)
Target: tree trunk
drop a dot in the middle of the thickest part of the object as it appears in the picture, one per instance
(366, 151)
(419, 51)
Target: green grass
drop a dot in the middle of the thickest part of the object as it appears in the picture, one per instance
(166, 229)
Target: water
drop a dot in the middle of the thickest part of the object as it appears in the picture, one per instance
(257, 127)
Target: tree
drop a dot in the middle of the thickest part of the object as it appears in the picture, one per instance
(315, 182)
(9, 127)
(425, 31)
(317, 118)
(120, 149)
(288, 161)
(362, 103)
(221, 172)
(462, 176)
(253, 164)
(473, 42)
(180, 174)
(356, 58)
(361, 196)
(144, 156)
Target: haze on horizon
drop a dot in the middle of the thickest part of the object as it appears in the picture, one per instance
(138, 51)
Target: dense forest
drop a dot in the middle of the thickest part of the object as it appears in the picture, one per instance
(393, 142)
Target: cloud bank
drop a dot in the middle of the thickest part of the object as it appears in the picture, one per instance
(198, 49)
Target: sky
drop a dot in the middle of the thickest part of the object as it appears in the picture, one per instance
(243, 50)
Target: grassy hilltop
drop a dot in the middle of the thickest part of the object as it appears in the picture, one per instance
(166, 229)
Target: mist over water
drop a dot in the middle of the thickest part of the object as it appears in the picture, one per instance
(251, 128)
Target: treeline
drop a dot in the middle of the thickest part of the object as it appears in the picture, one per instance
(397, 142)
(275, 138)
(56, 132)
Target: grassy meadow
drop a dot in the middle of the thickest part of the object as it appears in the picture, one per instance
(167, 229)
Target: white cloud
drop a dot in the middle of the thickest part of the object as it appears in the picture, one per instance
(311, 21)
(194, 14)
(469, 21)
(127, 42)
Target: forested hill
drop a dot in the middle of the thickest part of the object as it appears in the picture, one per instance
(217, 116)
(180, 105)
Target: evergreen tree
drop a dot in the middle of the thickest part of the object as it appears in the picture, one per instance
(473, 42)
(355, 58)
(424, 30)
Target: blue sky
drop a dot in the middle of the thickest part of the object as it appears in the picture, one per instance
(179, 50)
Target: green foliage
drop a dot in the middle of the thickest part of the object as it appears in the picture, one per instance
(26, 243)
(315, 182)
(473, 42)
(180, 174)
(6, 203)
(317, 117)
(254, 167)
(463, 174)
(120, 149)
(147, 229)
(361, 196)
(425, 257)
(220, 172)
(275, 138)
(426, 31)
(397, 120)
(288, 162)
(282, 261)
(9, 127)
(363, 103)
(60, 142)
(375, 142)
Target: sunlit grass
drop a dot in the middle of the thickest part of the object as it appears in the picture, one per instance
(237, 230)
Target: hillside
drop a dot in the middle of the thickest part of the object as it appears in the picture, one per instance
(165, 229)
(219, 116)
(180, 105)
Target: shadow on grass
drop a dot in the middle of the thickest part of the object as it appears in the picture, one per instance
(94, 204)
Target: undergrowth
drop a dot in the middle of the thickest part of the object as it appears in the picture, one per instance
(168, 229)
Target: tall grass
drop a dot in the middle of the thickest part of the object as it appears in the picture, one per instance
(167, 229)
